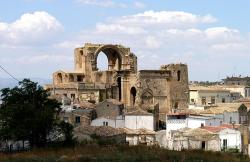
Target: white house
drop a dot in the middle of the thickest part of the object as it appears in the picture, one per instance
(203, 96)
(196, 121)
(118, 122)
(229, 138)
(176, 121)
(140, 119)
(181, 120)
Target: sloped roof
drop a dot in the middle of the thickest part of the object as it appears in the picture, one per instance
(221, 108)
(213, 129)
(195, 134)
(141, 131)
(207, 88)
(103, 131)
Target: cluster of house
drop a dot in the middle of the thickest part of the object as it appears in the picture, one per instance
(223, 126)
(110, 119)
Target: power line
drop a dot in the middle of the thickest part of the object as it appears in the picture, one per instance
(9, 73)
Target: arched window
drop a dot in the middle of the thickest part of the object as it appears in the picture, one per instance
(132, 96)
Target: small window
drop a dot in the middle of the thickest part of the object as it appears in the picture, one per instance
(107, 105)
(72, 96)
(224, 144)
(213, 100)
(105, 123)
(192, 100)
(176, 105)
(203, 100)
(179, 75)
(77, 119)
(231, 120)
(223, 100)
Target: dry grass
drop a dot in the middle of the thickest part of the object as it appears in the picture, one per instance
(97, 153)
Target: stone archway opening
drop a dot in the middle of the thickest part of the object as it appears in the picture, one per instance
(102, 62)
(113, 56)
(132, 96)
(59, 78)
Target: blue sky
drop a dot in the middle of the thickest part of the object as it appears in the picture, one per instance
(37, 37)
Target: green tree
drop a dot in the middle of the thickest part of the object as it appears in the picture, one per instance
(27, 113)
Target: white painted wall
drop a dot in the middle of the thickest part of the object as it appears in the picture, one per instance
(117, 123)
(232, 136)
(174, 124)
(193, 122)
(140, 121)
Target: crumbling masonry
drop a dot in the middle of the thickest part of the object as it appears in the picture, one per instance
(167, 86)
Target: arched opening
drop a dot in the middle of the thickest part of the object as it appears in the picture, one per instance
(132, 96)
(119, 84)
(79, 78)
(71, 78)
(112, 54)
(102, 62)
(81, 58)
(59, 78)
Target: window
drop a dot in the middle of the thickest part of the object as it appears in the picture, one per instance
(213, 100)
(192, 100)
(176, 105)
(223, 100)
(224, 144)
(231, 120)
(72, 96)
(179, 75)
(77, 119)
(105, 123)
(203, 100)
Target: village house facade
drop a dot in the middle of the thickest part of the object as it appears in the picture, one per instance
(204, 96)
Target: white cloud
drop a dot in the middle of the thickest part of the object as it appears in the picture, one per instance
(30, 28)
(165, 19)
(117, 28)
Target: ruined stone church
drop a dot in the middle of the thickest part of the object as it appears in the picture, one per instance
(135, 88)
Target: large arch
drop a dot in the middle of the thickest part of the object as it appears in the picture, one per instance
(113, 54)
